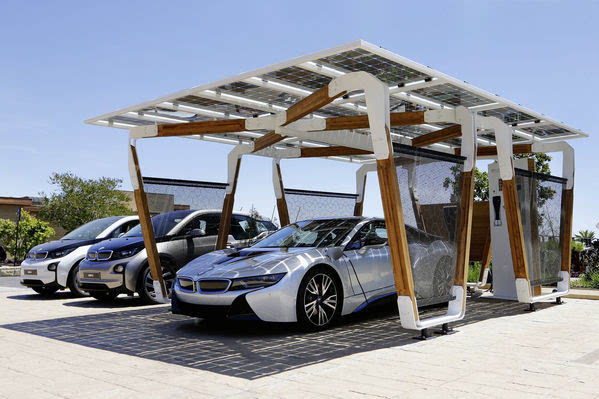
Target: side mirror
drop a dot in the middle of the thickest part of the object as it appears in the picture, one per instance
(335, 253)
(366, 248)
(120, 235)
(197, 233)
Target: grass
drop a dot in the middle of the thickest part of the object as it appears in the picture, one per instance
(587, 280)
(473, 272)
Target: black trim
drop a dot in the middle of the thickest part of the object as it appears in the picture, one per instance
(240, 308)
(319, 193)
(540, 176)
(402, 149)
(185, 183)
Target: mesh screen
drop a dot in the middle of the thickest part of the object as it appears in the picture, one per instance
(304, 204)
(541, 210)
(188, 194)
(430, 185)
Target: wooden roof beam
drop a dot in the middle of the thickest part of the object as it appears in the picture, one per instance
(451, 132)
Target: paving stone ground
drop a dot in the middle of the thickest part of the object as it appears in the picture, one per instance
(78, 348)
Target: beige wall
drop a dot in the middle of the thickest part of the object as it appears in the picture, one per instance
(157, 203)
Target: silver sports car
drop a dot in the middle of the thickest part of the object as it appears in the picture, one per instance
(310, 272)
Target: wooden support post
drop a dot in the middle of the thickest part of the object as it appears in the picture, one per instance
(486, 259)
(464, 229)
(145, 222)
(514, 226)
(227, 212)
(281, 201)
(396, 229)
(359, 205)
(566, 229)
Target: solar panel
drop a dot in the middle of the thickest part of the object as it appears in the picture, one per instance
(413, 87)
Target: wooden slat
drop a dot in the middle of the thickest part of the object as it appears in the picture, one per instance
(332, 152)
(514, 226)
(267, 140)
(309, 104)
(486, 258)
(203, 127)
(448, 133)
(141, 201)
(396, 229)
(566, 229)
(464, 229)
(492, 150)
(282, 202)
(227, 212)
(361, 121)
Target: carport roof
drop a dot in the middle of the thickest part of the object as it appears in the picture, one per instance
(412, 87)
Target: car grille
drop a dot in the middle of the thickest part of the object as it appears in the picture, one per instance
(214, 285)
(186, 284)
(104, 255)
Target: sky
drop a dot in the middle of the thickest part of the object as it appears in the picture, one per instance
(63, 62)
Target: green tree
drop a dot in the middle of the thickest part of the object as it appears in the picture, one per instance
(585, 237)
(481, 185)
(78, 201)
(32, 232)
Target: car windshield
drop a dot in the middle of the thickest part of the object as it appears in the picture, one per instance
(162, 223)
(310, 233)
(91, 230)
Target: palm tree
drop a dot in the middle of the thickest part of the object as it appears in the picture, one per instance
(585, 237)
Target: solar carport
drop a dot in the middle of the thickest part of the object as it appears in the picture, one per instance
(419, 129)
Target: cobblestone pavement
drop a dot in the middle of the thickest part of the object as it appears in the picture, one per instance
(78, 348)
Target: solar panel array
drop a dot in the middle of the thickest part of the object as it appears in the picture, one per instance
(413, 87)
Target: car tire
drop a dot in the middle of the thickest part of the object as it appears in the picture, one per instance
(73, 282)
(319, 299)
(45, 291)
(145, 283)
(104, 296)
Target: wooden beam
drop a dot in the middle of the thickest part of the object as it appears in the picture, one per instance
(309, 104)
(396, 229)
(282, 202)
(514, 226)
(203, 127)
(464, 230)
(566, 229)
(227, 212)
(267, 140)
(335, 151)
(492, 150)
(361, 121)
(448, 133)
(147, 230)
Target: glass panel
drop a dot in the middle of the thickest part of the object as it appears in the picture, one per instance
(430, 185)
(188, 194)
(304, 204)
(541, 211)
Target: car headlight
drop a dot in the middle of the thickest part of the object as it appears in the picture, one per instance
(61, 253)
(247, 283)
(127, 252)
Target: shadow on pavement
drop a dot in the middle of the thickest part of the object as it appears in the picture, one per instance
(243, 348)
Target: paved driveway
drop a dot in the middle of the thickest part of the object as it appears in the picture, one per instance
(78, 348)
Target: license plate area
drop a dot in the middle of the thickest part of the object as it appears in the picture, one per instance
(30, 272)
(92, 275)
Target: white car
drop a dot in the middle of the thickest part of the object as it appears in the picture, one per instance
(54, 265)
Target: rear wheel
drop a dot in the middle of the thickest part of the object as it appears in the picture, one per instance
(73, 283)
(145, 285)
(45, 291)
(104, 296)
(319, 299)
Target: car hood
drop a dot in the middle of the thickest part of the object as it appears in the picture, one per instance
(118, 244)
(60, 245)
(230, 263)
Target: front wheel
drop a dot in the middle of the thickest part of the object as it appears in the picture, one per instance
(146, 282)
(73, 283)
(319, 300)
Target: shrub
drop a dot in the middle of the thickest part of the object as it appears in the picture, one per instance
(32, 232)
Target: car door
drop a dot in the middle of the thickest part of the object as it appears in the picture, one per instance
(189, 246)
(373, 264)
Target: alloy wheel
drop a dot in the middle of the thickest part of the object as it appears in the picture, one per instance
(167, 275)
(320, 299)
